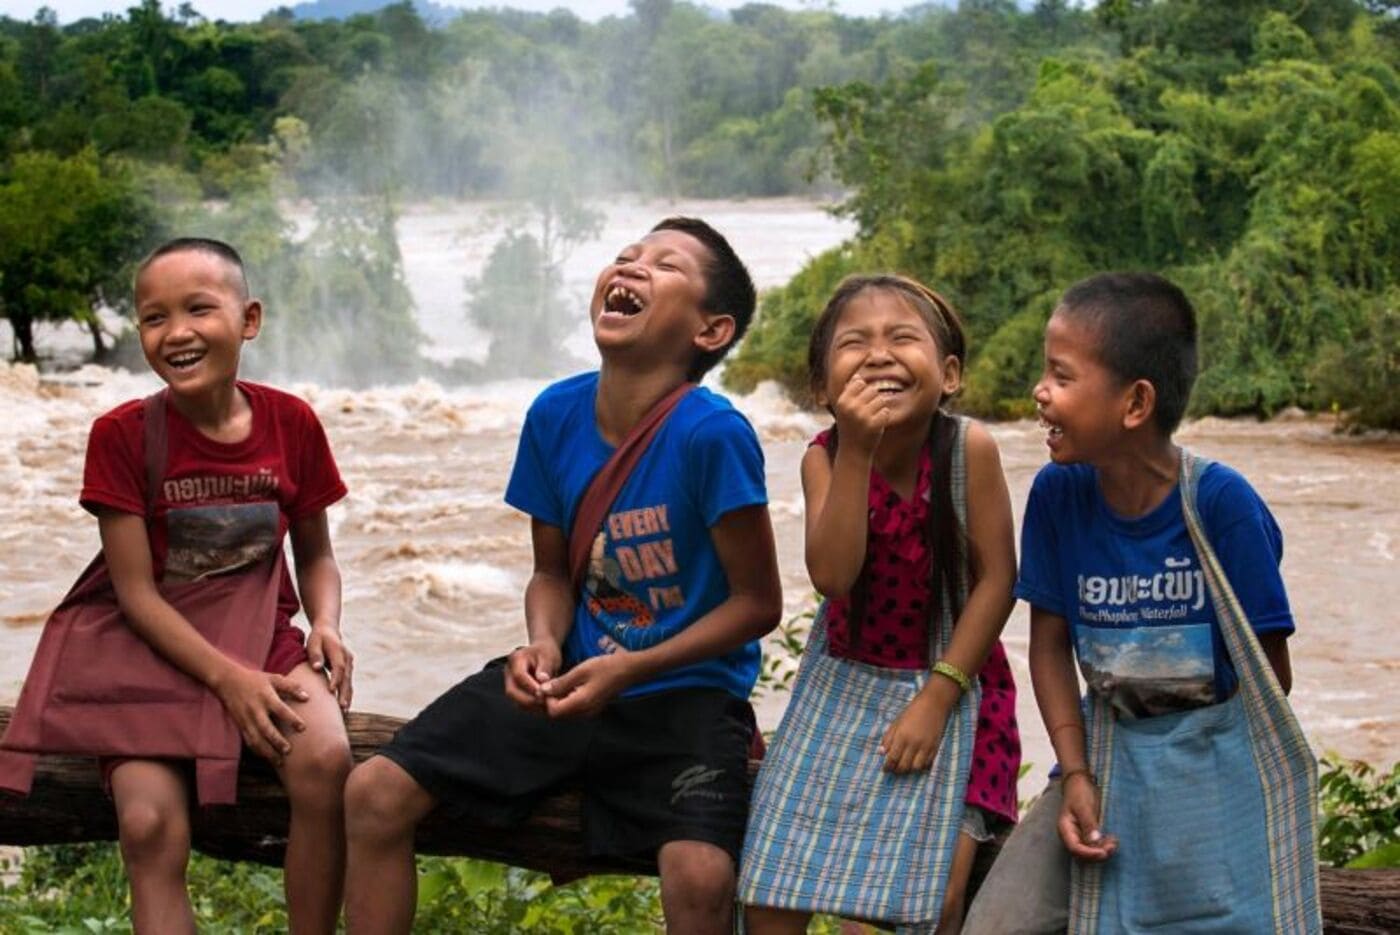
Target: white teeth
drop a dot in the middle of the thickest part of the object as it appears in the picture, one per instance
(623, 300)
(184, 360)
(888, 386)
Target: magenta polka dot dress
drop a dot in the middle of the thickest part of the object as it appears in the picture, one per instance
(894, 633)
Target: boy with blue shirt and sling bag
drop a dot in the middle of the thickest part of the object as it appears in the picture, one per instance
(643, 624)
(1186, 794)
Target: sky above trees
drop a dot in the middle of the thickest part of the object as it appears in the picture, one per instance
(240, 10)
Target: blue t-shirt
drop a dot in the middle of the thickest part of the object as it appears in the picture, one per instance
(654, 569)
(1145, 629)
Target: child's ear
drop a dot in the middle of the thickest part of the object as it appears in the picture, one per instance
(717, 334)
(252, 319)
(1140, 402)
(952, 375)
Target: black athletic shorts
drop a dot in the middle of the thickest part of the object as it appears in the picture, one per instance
(668, 766)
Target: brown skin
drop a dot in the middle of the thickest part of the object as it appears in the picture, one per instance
(1098, 419)
(190, 304)
(645, 356)
(881, 343)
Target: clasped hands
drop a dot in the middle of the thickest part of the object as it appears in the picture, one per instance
(532, 681)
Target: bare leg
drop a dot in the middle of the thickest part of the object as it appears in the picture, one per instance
(153, 824)
(383, 805)
(765, 920)
(955, 895)
(697, 888)
(314, 776)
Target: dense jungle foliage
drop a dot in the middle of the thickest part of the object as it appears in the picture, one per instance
(1250, 150)
(115, 132)
(996, 150)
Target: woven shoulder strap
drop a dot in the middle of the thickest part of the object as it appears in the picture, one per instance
(155, 447)
(1287, 767)
(941, 631)
(607, 483)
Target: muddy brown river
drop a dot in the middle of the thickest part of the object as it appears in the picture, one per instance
(434, 562)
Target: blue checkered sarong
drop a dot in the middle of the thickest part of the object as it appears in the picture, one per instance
(829, 830)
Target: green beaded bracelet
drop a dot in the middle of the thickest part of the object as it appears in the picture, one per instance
(945, 668)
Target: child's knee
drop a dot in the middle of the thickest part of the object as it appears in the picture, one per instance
(377, 805)
(151, 832)
(697, 878)
(318, 768)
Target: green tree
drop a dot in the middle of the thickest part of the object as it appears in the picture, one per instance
(38, 52)
(519, 296)
(1252, 155)
(518, 300)
(346, 315)
(68, 229)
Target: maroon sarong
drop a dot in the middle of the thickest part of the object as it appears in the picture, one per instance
(97, 688)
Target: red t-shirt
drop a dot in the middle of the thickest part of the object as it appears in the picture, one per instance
(220, 507)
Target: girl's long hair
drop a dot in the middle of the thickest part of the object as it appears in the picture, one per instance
(947, 543)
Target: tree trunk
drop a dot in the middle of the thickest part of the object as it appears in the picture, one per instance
(68, 806)
(23, 327)
(99, 346)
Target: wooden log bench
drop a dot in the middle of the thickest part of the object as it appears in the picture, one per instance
(68, 806)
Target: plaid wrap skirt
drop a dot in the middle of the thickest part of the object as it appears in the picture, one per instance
(829, 830)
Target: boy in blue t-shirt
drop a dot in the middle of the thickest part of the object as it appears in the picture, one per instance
(1111, 574)
(637, 687)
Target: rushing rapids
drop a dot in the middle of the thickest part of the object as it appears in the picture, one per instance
(434, 563)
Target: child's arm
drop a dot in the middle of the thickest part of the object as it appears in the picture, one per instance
(1249, 544)
(1057, 693)
(1275, 646)
(253, 699)
(549, 614)
(743, 538)
(318, 581)
(837, 491)
(912, 741)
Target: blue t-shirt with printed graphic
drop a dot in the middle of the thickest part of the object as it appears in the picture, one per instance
(1145, 629)
(654, 569)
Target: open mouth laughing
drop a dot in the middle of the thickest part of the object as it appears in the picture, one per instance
(184, 360)
(887, 386)
(1053, 432)
(621, 300)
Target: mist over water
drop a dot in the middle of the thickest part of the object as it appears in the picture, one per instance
(443, 245)
(434, 563)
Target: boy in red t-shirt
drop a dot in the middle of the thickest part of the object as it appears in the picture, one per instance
(245, 465)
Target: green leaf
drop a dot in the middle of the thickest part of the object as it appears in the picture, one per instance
(432, 885)
(1387, 855)
(480, 876)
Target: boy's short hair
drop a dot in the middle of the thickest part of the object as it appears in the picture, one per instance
(729, 288)
(1146, 330)
(207, 245)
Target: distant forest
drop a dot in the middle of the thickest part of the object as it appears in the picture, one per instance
(1250, 149)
